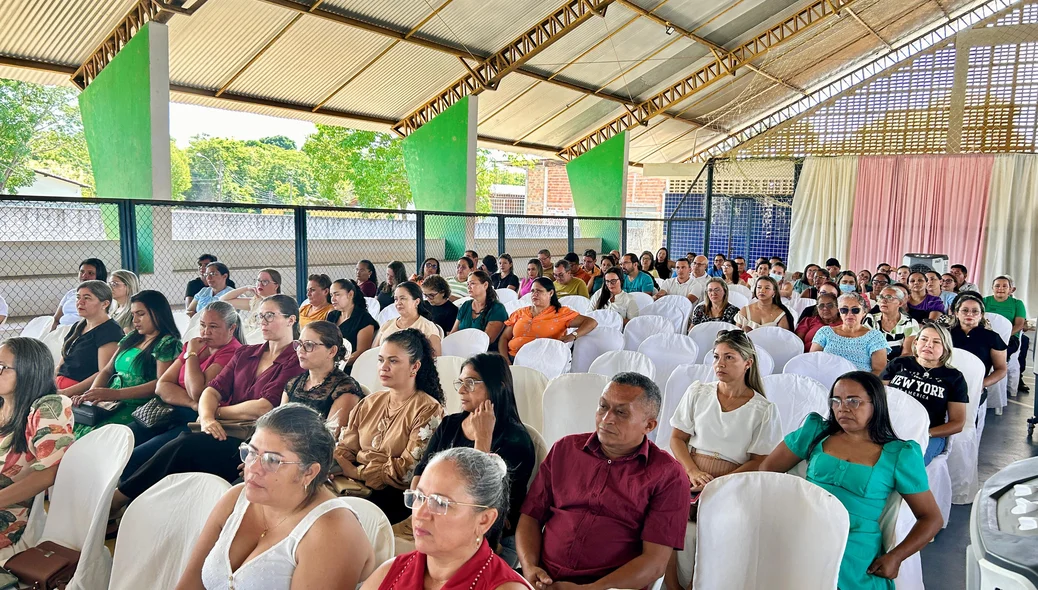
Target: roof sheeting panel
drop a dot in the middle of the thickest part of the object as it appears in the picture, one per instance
(63, 32)
(35, 76)
(402, 15)
(230, 105)
(581, 118)
(554, 59)
(486, 27)
(511, 87)
(529, 111)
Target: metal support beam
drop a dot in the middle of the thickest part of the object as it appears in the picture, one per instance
(709, 197)
(128, 254)
(805, 19)
(871, 31)
(488, 73)
(259, 54)
(302, 252)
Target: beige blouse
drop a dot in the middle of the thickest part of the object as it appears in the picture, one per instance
(423, 325)
(387, 444)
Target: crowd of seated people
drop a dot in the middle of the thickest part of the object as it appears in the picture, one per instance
(607, 507)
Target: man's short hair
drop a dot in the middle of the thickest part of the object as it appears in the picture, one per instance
(544, 251)
(634, 257)
(680, 260)
(563, 264)
(209, 257)
(961, 267)
(882, 264)
(743, 258)
(832, 262)
(572, 258)
(650, 391)
(591, 253)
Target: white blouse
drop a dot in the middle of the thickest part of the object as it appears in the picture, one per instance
(752, 429)
(624, 304)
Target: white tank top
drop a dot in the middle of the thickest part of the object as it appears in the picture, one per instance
(270, 570)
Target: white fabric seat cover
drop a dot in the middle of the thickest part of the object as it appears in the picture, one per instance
(821, 366)
(547, 355)
(540, 451)
(741, 290)
(738, 299)
(505, 295)
(751, 511)
(704, 334)
(641, 327)
(162, 513)
(389, 313)
(577, 303)
(37, 327)
(675, 308)
(680, 379)
(780, 343)
(54, 340)
(377, 527)
(594, 344)
(802, 303)
(964, 446)
(642, 299)
(514, 306)
(570, 402)
(998, 393)
(365, 369)
(606, 318)
(373, 306)
(795, 396)
(667, 351)
(620, 361)
(448, 368)
(529, 387)
(461, 301)
(181, 320)
(465, 343)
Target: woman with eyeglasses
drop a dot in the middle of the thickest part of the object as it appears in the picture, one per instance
(489, 422)
(35, 432)
(483, 311)
(442, 311)
(546, 318)
(92, 341)
(855, 455)
(897, 327)
(505, 277)
(812, 310)
(282, 528)
(216, 276)
(613, 297)
(350, 314)
(922, 305)
(323, 386)
(458, 511)
(826, 315)
(971, 332)
(414, 313)
(929, 377)
(716, 307)
(249, 299)
(933, 287)
(124, 285)
(249, 386)
(822, 277)
(766, 310)
(864, 347)
(648, 265)
(388, 430)
(430, 267)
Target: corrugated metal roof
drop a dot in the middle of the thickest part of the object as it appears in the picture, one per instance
(62, 32)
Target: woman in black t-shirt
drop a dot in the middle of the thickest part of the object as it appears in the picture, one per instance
(940, 388)
(350, 314)
(442, 311)
(505, 278)
(92, 341)
(969, 331)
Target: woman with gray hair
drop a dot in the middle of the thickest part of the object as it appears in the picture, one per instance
(91, 342)
(897, 326)
(863, 346)
(282, 528)
(124, 285)
(458, 511)
(929, 377)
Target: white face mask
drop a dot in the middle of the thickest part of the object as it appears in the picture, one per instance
(777, 276)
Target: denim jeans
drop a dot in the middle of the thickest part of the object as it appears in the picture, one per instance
(936, 447)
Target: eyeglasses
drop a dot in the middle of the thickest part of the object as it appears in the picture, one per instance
(612, 281)
(970, 312)
(826, 305)
(309, 345)
(211, 274)
(4, 367)
(429, 295)
(847, 310)
(263, 283)
(268, 316)
(270, 462)
(852, 403)
(114, 284)
(887, 297)
(560, 275)
(468, 384)
(436, 504)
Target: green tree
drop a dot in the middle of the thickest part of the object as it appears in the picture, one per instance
(219, 170)
(279, 175)
(353, 166)
(180, 172)
(280, 141)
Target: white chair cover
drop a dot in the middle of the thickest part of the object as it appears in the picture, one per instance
(373, 306)
(540, 451)
(795, 396)
(389, 313)
(577, 303)
(181, 320)
(254, 337)
(594, 344)
(964, 446)
(802, 303)
(642, 299)
(750, 511)
(54, 340)
(620, 361)
(505, 295)
(667, 351)
(704, 334)
(448, 368)
(465, 343)
(162, 513)
(680, 379)
(641, 327)
(780, 343)
(765, 364)
(377, 528)
(547, 355)
(514, 306)
(738, 299)
(908, 417)
(528, 299)
(675, 308)
(529, 387)
(37, 327)
(461, 301)
(365, 369)
(570, 402)
(821, 366)
(998, 393)
(81, 499)
(741, 290)
(606, 318)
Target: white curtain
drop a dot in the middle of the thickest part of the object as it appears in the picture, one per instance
(823, 207)
(1012, 239)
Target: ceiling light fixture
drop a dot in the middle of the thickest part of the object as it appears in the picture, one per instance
(670, 29)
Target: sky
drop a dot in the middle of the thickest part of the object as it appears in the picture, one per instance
(186, 121)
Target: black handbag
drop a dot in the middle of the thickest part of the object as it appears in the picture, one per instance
(154, 413)
(92, 414)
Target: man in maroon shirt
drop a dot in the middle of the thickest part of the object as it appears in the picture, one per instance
(608, 508)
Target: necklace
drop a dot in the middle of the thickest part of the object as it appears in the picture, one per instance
(266, 528)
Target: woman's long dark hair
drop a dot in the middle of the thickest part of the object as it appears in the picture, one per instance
(881, 431)
(162, 317)
(731, 278)
(511, 265)
(418, 348)
(549, 286)
(398, 275)
(34, 378)
(776, 299)
(288, 307)
(371, 268)
(416, 293)
(100, 270)
(497, 378)
(603, 298)
(662, 268)
(491, 298)
(356, 294)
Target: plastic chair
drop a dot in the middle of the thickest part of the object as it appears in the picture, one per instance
(780, 343)
(751, 511)
(181, 320)
(365, 369)
(514, 306)
(374, 307)
(577, 303)
(547, 355)
(465, 343)
(505, 295)
(998, 393)
(540, 451)
(37, 327)
(795, 396)
(681, 378)
(821, 366)
(529, 387)
(448, 368)
(377, 528)
(964, 446)
(81, 499)
(642, 299)
(594, 344)
(54, 341)
(765, 364)
(704, 334)
(570, 402)
(675, 308)
(621, 361)
(667, 352)
(606, 318)
(641, 327)
(389, 313)
(162, 513)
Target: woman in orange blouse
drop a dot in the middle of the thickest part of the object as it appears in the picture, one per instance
(545, 319)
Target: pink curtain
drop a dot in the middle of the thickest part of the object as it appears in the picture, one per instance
(930, 204)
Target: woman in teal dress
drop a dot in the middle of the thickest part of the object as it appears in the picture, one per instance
(143, 354)
(855, 456)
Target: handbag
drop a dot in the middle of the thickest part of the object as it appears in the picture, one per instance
(241, 429)
(154, 413)
(46, 566)
(345, 486)
(92, 414)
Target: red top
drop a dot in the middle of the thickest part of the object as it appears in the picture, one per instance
(808, 326)
(238, 382)
(220, 357)
(368, 288)
(596, 512)
(484, 571)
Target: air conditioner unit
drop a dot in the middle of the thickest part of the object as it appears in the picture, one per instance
(926, 262)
